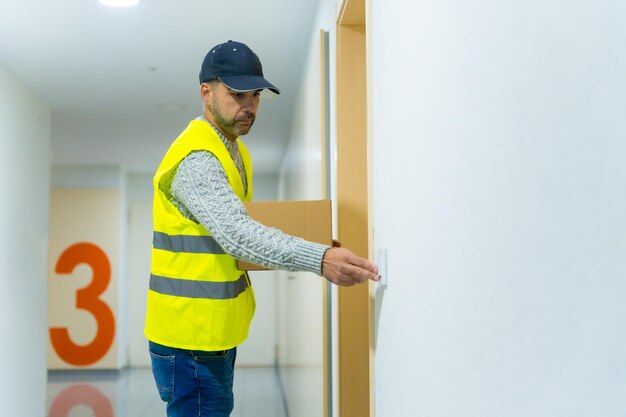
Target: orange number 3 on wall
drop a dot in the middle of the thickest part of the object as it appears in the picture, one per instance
(86, 299)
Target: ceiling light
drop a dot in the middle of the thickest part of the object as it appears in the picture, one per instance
(120, 3)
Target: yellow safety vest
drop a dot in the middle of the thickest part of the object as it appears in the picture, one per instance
(198, 299)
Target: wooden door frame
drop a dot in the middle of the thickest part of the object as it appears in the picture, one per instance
(355, 307)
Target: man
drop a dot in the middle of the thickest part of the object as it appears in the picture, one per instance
(199, 304)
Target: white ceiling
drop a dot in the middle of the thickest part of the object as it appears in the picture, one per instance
(123, 82)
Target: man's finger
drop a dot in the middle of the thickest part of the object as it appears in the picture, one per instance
(360, 275)
(364, 263)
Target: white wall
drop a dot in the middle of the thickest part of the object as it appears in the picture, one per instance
(301, 294)
(499, 191)
(301, 179)
(139, 252)
(25, 170)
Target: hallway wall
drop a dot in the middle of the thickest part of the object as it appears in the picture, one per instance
(301, 294)
(25, 169)
(499, 179)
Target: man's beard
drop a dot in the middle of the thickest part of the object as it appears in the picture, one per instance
(229, 125)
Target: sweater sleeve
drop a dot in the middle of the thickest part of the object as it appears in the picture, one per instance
(201, 191)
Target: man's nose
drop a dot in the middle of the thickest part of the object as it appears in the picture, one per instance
(250, 104)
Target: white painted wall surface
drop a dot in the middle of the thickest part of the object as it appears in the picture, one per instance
(25, 169)
(301, 294)
(139, 196)
(139, 247)
(499, 191)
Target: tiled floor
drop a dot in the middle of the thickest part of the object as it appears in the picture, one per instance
(131, 393)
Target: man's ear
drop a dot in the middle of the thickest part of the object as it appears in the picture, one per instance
(206, 93)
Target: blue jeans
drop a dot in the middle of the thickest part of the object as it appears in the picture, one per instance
(194, 383)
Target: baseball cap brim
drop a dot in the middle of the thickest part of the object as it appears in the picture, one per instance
(247, 83)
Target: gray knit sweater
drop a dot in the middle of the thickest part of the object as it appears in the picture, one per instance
(201, 192)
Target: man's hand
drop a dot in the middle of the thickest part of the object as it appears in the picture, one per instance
(343, 267)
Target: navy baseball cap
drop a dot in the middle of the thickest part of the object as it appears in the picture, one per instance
(236, 66)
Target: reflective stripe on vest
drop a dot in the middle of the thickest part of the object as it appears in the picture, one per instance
(198, 289)
(186, 244)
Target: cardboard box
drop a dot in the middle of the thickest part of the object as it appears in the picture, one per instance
(310, 220)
